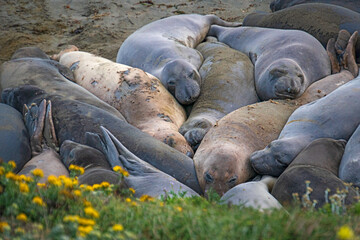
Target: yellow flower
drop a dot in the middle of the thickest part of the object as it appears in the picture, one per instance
(22, 217)
(24, 188)
(128, 200)
(89, 211)
(86, 222)
(96, 186)
(71, 218)
(12, 164)
(118, 228)
(4, 226)
(105, 184)
(83, 231)
(37, 173)
(41, 185)
(179, 208)
(89, 188)
(145, 197)
(38, 201)
(161, 204)
(12, 176)
(134, 204)
(132, 190)
(78, 169)
(68, 183)
(77, 193)
(120, 170)
(19, 230)
(2, 170)
(87, 203)
(345, 233)
(53, 180)
(24, 178)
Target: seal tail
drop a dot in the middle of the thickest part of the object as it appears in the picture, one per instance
(218, 21)
(269, 181)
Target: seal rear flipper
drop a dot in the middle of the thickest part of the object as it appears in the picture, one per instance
(334, 62)
(49, 129)
(350, 57)
(218, 21)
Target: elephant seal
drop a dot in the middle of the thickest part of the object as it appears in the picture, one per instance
(255, 194)
(74, 115)
(280, 71)
(318, 119)
(165, 49)
(14, 137)
(143, 178)
(227, 84)
(49, 162)
(222, 159)
(350, 162)
(323, 21)
(281, 4)
(139, 97)
(97, 168)
(50, 76)
(319, 164)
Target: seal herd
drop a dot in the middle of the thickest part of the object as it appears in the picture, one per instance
(255, 112)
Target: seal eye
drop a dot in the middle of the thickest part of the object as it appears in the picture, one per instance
(232, 181)
(208, 178)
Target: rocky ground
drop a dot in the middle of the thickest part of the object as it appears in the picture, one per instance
(98, 26)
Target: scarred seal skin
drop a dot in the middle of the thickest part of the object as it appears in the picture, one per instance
(76, 111)
(315, 167)
(323, 21)
(139, 97)
(280, 71)
(336, 116)
(281, 4)
(228, 84)
(165, 49)
(222, 159)
(14, 137)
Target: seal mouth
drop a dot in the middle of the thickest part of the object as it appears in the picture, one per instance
(285, 95)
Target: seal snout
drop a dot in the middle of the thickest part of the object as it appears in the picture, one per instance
(265, 163)
(288, 86)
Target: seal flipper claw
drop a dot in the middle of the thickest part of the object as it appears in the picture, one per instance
(330, 49)
(349, 55)
(35, 121)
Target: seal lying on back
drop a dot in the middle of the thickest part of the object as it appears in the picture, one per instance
(228, 84)
(74, 115)
(143, 178)
(14, 137)
(281, 4)
(318, 119)
(323, 21)
(139, 97)
(165, 48)
(280, 71)
(318, 163)
(222, 159)
(255, 194)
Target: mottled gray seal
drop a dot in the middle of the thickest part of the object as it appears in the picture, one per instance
(227, 84)
(165, 48)
(73, 118)
(255, 194)
(139, 97)
(222, 159)
(280, 71)
(318, 119)
(14, 137)
(350, 162)
(323, 21)
(143, 178)
(318, 163)
(281, 4)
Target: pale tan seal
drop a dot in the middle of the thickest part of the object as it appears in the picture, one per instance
(139, 97)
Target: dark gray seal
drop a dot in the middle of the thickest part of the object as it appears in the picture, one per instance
(14, 137)
(318, 163)
(227, 84)
(165, 48)
(143, 178)
(336, 116)
(350, 163)
(323, 21)
(74, 115)
(280, 71)
(281, 4)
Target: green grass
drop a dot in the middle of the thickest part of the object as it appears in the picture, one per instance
(147, 218)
